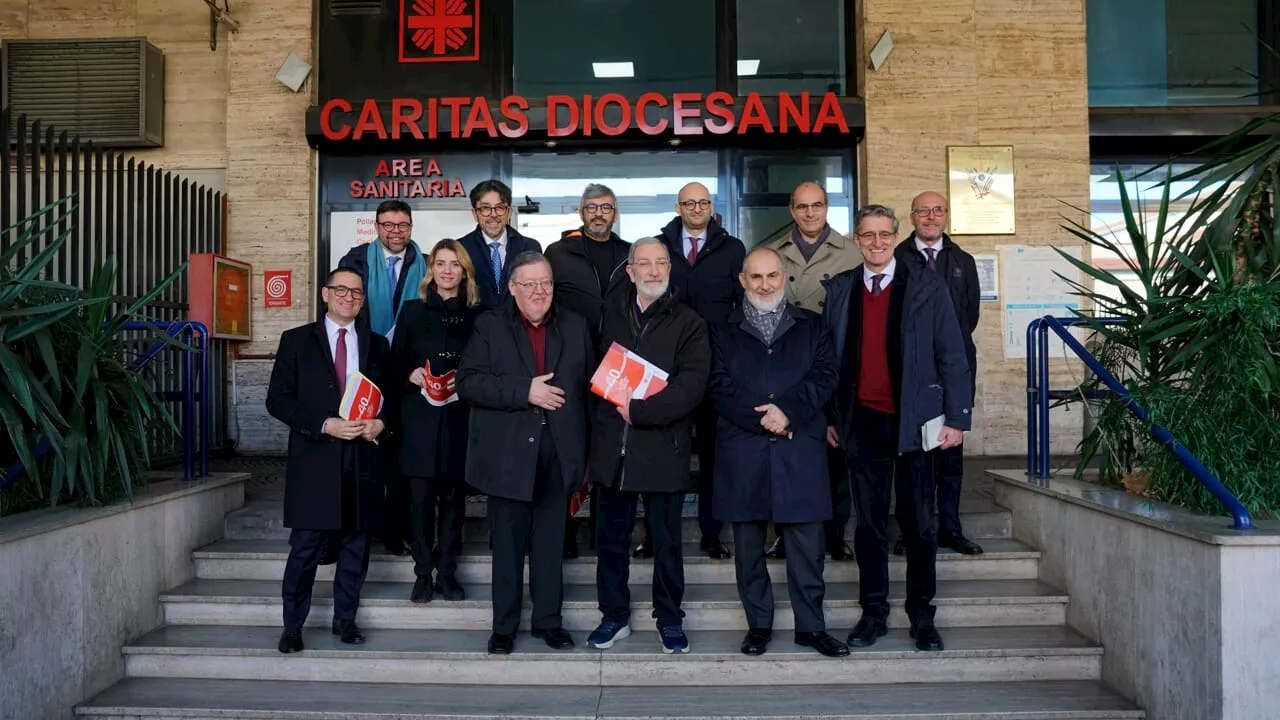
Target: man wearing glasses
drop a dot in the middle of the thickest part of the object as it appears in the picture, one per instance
(705, 261)
(812, 253)
(903, 379)
(493, 241)
(930, 248)
(525, 372)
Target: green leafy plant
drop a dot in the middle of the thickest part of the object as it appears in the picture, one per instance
(67, 385)
(1200, 346)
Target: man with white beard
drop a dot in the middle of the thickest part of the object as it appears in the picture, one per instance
(640, 447)
(772, 370)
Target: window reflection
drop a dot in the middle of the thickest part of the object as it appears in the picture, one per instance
(794, 46)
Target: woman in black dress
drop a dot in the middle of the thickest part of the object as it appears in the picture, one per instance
(428, 343)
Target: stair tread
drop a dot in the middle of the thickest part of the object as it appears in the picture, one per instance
(950, 592)
(470, 644)
(267, 699)
(278, 549)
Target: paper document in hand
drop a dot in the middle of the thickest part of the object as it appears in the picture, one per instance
(623, 369)
(363, 399)
(439, 390)
(929, 433)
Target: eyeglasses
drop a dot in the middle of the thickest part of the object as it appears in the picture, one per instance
(487, 210)
(343, 291)
(883, 235)
(927, 211)
(389, 226)
(803, 208)
(605, 208)
(692, 204)
(544, 285)
(646, 264)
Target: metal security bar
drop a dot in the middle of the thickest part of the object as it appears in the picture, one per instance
(145, 218)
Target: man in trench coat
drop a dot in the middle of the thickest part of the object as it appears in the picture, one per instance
(333, 482)
(772, 371)
(525, 372)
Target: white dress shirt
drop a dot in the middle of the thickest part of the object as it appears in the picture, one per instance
(353, 345)
(921, 245)
(888, 271)
(688, 239)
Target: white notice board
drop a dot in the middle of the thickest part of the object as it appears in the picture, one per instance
(1031, 288)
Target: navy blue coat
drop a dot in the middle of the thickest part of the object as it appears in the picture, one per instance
(760, 476)
(934, 377)
(710, 285)
(476, 243)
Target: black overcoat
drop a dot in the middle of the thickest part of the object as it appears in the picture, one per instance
(302, 394)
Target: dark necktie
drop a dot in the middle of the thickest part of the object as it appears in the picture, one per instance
(693, 249)
(875, 284)
(931, 261)
(340, 361)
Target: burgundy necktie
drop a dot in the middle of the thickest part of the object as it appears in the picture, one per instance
(340, 361)
(875, 284)
(693, 249)
(931, 262)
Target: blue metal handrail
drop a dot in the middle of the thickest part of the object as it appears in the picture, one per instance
(196, 335)
(1038, 409)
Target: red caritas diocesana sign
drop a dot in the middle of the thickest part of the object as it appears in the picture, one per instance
(717, 113)
(407, 178)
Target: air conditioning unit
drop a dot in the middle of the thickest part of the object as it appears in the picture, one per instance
(109, 91)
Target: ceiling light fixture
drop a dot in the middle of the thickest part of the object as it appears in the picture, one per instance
(613, 69)
(747, 68)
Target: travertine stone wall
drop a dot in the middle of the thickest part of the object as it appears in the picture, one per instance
(985, 72)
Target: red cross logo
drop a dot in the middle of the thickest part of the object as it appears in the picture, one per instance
(439, 30)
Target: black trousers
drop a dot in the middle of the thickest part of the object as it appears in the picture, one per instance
(704, 444)
(538, 525)
(305, 549)
(805, 586)
(614, 525)
(841, 493)
(950, 478)
(878, 469)
(436, 506)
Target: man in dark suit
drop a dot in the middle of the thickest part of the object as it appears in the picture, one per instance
(772, 371)
(929, 248)
(391, 270)
(494, 242)
(902, 367)
(705, 262)
(525, 373)
(333, 489)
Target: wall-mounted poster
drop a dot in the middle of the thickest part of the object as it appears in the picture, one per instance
(980, 182)
(988, 276)
(348, 229)
(1033, 288)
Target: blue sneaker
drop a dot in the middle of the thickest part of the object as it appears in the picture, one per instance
(674, 639)
(607, 634)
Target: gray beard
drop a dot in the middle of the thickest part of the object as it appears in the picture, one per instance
(777, 302)
(644, 293)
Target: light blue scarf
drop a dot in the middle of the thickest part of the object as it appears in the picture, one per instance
(380, 293)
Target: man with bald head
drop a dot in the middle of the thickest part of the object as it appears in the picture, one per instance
(811, 253)
(705, 262)
(930, 248)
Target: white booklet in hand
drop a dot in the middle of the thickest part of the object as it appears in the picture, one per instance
(929, 433)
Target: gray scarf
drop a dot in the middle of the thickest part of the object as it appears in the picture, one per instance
(765, 323)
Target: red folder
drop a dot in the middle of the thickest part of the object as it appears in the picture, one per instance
(623, 370)
(439, 390)
(363, 399)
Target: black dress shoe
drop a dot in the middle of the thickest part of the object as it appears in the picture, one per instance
(500, 644)
(715, 549)
(450, 589)
(348, 632)
(756, 642)
(899, 547)
(290, 641)
(778, 550)
(422, 590)
(555, 638)
(823, 643)
(395, 546)
(839, 549)
(959, 543)
(926, 637)
(644, 549)
(570, 547)
(867, 631)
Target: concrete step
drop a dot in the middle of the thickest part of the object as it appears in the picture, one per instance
(264, 560)
(961, 603)
(459, 657)
(200, 699)
(263, 520)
